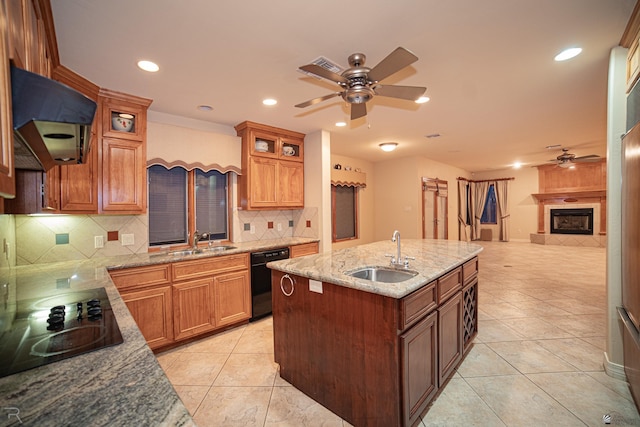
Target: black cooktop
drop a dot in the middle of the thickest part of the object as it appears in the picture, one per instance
(49, 329)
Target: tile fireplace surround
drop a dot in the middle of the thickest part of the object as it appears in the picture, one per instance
(594, 241)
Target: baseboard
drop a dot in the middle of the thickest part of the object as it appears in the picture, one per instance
(614, 370)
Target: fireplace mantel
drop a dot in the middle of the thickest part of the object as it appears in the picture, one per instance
(570, 197)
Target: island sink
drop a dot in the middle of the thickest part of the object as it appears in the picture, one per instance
(383, 274)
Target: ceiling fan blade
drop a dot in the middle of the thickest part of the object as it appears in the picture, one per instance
(358, 110)
(586, 160)
(590, 156)
(403, 92)
(394, 62)
(315, 101)
(323, 72)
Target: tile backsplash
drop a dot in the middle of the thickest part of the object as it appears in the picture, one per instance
(42, 239)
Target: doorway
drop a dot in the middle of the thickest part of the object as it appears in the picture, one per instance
(434, 208)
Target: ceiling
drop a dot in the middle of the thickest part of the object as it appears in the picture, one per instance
(497, 95)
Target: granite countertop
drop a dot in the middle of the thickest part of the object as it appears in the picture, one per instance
(433, 258)
(118, 385)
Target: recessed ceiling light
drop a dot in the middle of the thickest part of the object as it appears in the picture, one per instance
(341, 124)
(388, 146)
(517, 165)
(149, 66)
(269, 101)
(568, 54)
(205, 107)
(422, 100)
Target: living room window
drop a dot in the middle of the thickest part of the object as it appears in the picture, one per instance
(490, 207)
(344, 212)
(182, 201)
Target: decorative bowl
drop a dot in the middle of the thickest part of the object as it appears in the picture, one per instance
(122, 124)
(262, 146)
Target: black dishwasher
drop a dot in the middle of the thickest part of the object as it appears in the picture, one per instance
(261, 280)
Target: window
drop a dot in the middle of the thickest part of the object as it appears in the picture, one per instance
(344, 212)
(181, 202)
(489, 212)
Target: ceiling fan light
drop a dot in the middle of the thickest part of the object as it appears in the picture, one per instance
(149, 66)
(388, 146)
(422, 100)
(566, 165)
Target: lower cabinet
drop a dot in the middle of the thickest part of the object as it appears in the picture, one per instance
(419, 356)
(175, 301)
(450, 332)
(152, 309)
(194, 308)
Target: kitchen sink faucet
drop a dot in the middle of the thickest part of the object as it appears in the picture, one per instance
(397, 260)
(196, 237)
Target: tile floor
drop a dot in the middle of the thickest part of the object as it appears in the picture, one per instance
(537, 359)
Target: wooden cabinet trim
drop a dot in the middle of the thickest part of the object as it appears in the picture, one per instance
(208, 266)
(449, 284)
(303, 249)
(450, 347)
(469, 270)
(152, 309)
(417, 304)
(193, 303)
(141, 277)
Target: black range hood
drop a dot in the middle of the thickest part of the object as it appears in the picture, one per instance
(51, 122)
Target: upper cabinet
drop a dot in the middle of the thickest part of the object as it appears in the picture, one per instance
(272, 168)
(123, 152)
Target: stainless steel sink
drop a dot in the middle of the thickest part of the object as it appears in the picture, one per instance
(220, 248)
(185, 252)
(383, 274)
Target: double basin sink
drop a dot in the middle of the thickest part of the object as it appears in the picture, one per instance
(383, 274)
(210, 249)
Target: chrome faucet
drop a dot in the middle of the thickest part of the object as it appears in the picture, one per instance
(397, 260)
(196, 237)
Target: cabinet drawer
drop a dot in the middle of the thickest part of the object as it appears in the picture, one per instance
(141, 277)
(416, 305)
(304, 249)
(449, 284)
(208, 266)
(469, 270)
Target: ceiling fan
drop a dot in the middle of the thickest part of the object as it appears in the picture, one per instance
(566, 159)
(360, 84)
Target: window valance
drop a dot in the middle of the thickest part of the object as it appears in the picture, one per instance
(170, 145)
(348, 178)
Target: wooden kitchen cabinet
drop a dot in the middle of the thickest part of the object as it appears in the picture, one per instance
(152, 309)
(123, 152)
(450, 332)
(272, 167)
(303, 249)
(7, 173)
(232, 297)
(194, 307)
(419, 353)
(148, 294)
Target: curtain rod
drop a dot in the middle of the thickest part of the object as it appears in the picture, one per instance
(485, 180)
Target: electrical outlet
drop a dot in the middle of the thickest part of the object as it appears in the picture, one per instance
(127, 239)
(315, 286)
(279, 227)
(98, 242)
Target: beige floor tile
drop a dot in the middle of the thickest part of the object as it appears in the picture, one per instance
(577, 352)
(234, 406)
(529, 357)
(586, 325)
(167, 358)
(482, 361)
(192, 396)
(195, 368)
(255, 341)
(496, 331)
(587, 398)
(223, 342)
(290, 407)
(459, 405)
(619, 386)
(533, 328)
(575, 306)
(248, 370)
(519, 402)
(599, 342)
(503, 310)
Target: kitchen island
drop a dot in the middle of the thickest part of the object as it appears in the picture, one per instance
(375, 353)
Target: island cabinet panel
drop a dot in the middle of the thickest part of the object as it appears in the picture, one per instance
(469, 271)
(449, 284)
(419, 367)
(449, 336)
(337, 348)
(416, 305)
(470, 313)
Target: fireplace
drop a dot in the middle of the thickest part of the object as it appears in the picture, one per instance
(571, 221)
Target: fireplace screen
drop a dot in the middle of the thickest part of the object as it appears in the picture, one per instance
(572, 221)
